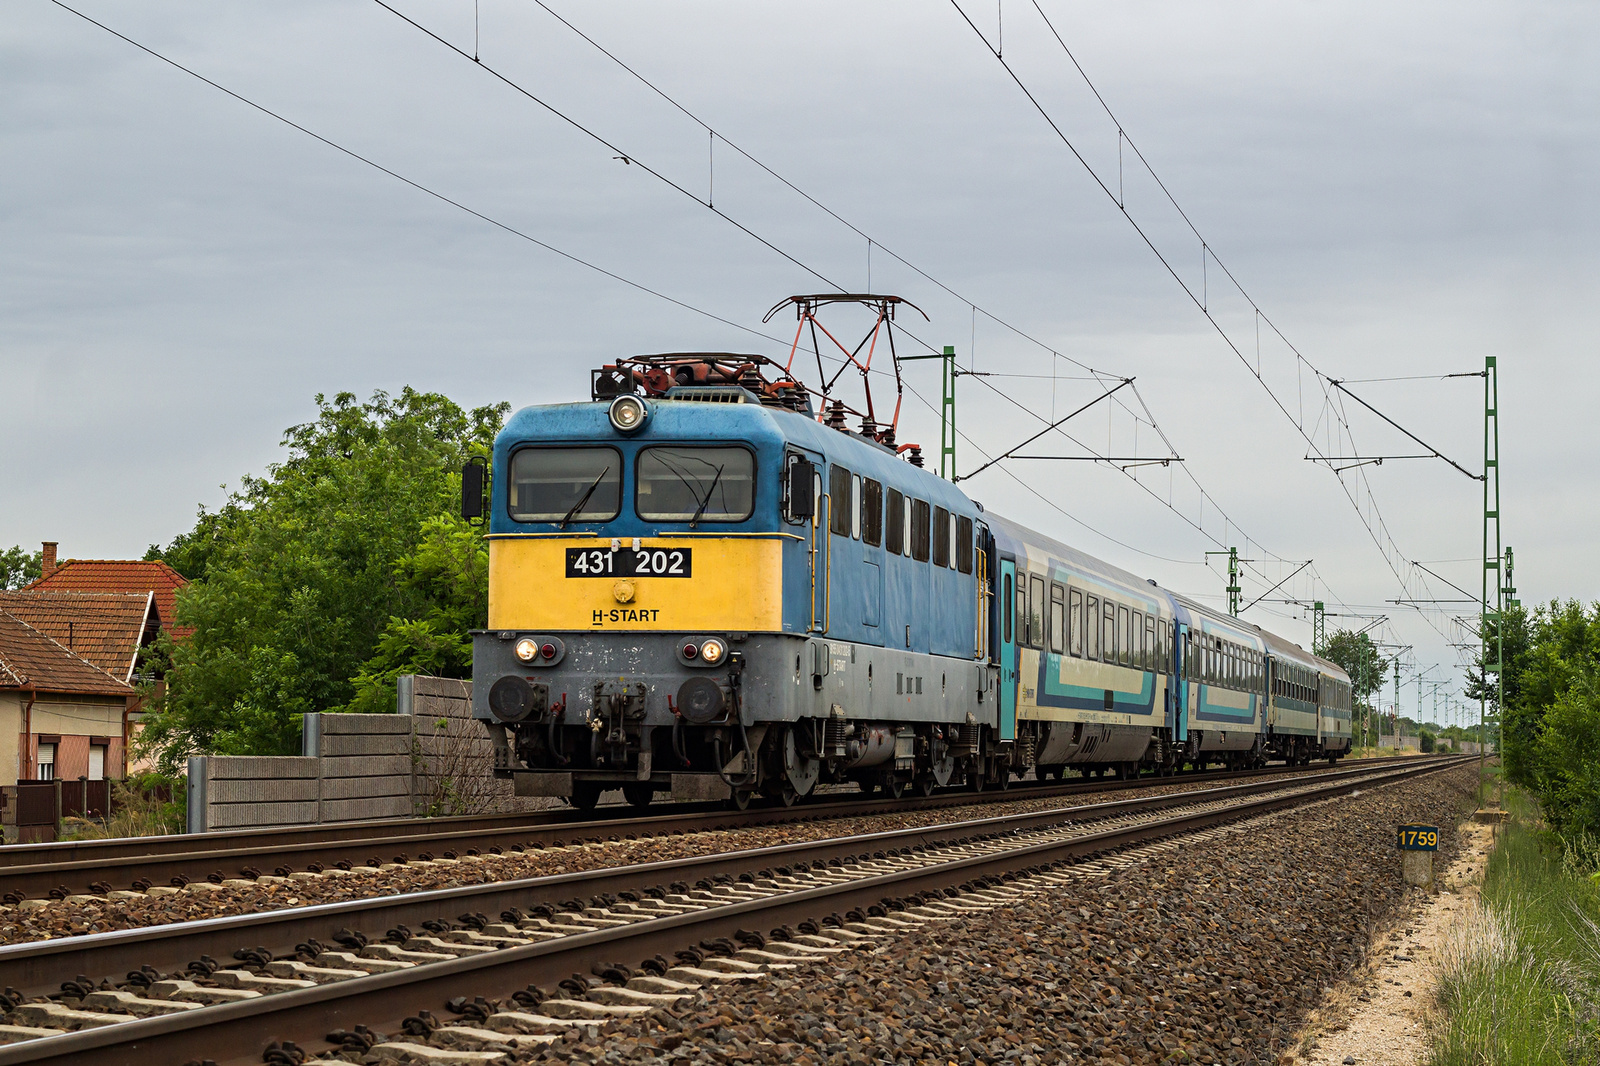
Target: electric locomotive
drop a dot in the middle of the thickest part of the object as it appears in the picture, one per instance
(698, 587)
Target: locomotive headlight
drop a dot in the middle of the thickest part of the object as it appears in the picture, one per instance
(526, 649)
(628, 413)
(712, 651)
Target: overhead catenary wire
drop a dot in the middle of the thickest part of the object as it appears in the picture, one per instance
(716, 135)
(1378, 530)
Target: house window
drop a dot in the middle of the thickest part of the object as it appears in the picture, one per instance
(47, 763)
(97, 762)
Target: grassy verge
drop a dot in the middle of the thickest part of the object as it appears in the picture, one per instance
(1519, 981)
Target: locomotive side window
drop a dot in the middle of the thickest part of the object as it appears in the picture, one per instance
(951, 522)
(871, 512)
(1091, 629)
(839, 480)
(1058, 619)
(1075, 623)
(688, 484)
(964, 544)
(895, 526)
(855, 508)
(1036, 611)
(1007, 609)
(566, 484)
(919, 530)
(941, 537)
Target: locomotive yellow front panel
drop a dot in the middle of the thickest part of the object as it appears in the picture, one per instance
(665, 583)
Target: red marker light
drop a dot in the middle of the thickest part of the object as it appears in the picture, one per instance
(548, 651)
(690, 651)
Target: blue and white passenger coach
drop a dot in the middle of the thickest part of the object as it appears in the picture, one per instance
(696, 587)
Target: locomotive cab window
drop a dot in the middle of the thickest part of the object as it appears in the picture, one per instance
(839, 501)
(871, 512)
(690, 484)
(566, 484)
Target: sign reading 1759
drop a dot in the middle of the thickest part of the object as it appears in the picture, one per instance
(629, 562)
(1418, 838)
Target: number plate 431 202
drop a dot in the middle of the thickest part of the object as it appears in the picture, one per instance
(629, 562)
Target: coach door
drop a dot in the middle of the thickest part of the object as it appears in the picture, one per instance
(1178, 684)
(1008, 649)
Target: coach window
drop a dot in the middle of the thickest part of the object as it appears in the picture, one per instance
(567, 484)
(1151, 655)
(894, 535)
(964, 544)
(1110, 649)
(1006, 609)
(871, 512)
(1022, 608)
(1036, 612)
(855, 507)
(1135, 641)
(1089, 628)
(919, 530)
(1075, 622)
(941, 537)
(839, 500)
(1124, 633)
(1058, 619)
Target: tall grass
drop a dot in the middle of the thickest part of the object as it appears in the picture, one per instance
(1519, 978)
(140, 807)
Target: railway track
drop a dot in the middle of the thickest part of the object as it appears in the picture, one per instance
(313, 970)
(59, 870)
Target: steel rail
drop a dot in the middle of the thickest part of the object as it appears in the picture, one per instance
(32, 871)
(235, 1033)
(38, 967)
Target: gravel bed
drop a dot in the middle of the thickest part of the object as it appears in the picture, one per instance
(1211, 953)
(42, 920)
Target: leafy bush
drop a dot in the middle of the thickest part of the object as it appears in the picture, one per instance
(316, 584)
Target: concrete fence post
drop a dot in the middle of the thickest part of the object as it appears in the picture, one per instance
(196, 797)
(311, 748)
(405, 693)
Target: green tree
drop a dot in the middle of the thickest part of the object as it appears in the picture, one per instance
(315, 584)
(1357, 656)
(18, 567)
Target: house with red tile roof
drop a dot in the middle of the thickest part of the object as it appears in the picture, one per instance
(109, 629)
(61, 716)
(114, 575)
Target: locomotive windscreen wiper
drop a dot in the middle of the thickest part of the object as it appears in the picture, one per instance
(698, 511)
(585, 497)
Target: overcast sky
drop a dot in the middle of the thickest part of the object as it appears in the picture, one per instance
(1401, 189)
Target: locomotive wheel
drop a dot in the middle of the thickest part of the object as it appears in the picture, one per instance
(975, 780)
(1002, 779)
(740, 800)
(925, 786)
(638, 793)
(585, 795)
(800, 771)
(895, 786)
(789, 796)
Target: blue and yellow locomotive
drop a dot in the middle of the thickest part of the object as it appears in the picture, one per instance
(699, 588)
